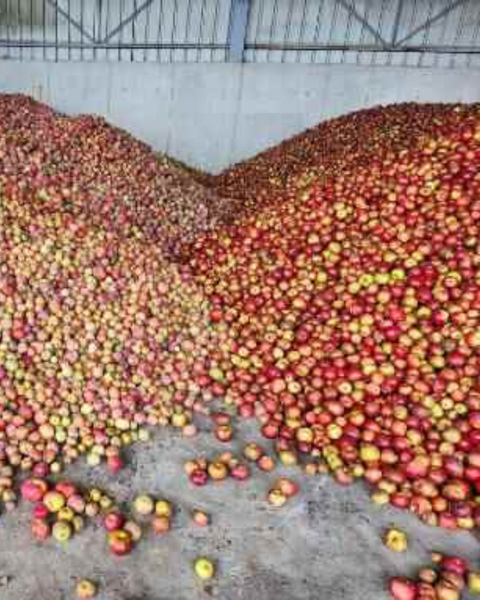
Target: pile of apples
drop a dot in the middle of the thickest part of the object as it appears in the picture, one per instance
(352, 308)
(329, 288)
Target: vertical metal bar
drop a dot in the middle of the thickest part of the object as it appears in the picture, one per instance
(473, 42)
(288, 27)
(69, 34)
(332, 29)
(120, 7)
(20, 26)
(440, 41)
(2, 23)
(159, 31)
(459, 32)
(215, 28)
(44, 33)
(238, 29)
(259, 27)
(56, 35)
(7, 21)
(100, 18)
(396, 23)
(200, 31)
(395, 29)
(426, 32)
(347, 35)
(413, 18)
(94, 29)
(373, 60)
(107, 28)
(31, 28)
(366, 16)
(273, 26)
(82, 8)
(301, 31)
(187, 29)
(147, 31)
(317, 28)
(134, 33)
(174, 28)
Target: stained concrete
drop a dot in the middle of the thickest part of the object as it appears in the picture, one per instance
(323, 545)
(212, 115)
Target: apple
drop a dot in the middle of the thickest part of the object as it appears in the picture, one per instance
(120, 542)
(401, 588)
(113, 520)
(33, 489)
(40, 529)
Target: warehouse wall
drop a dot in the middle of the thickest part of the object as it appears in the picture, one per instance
(211, 115)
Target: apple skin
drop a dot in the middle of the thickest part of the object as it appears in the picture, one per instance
(474, 582)
(401, 588)
(62, 531)
(40, 529)
(34, 489)
(66, 488)
(161, 525)
(113, 520)
(120, 542)
(115, 464)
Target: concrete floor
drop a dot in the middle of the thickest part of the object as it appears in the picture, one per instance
(324, 545)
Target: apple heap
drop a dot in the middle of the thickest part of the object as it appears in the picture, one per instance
(445, 579)
(336, 300)
(99, 330)
(326, 149)
(123, 184)
(352, 309)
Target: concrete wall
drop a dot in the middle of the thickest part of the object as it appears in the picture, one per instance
(211, 115)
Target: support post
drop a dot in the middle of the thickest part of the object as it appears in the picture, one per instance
(238, 29)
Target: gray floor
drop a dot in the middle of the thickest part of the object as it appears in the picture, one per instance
(324, 545)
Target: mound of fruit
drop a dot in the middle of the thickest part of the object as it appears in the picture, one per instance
(336, 300)
(330, 147)
(352, 308)
(86, 164)
(99, 330)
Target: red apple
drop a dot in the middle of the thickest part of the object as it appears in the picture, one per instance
(115, 463)
(66, 488)
(40, 529)
(33, 489)
(401, 588)
(40, 511)
(120, 542)
(113, 520)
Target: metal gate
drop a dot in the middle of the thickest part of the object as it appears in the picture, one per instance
(384, 32)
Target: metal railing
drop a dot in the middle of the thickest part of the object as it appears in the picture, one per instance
(390, 32)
